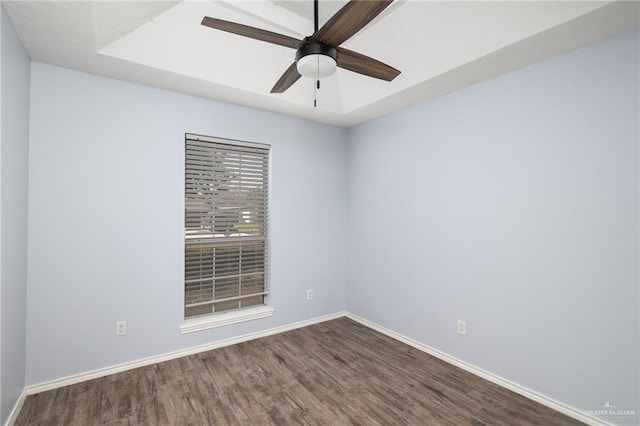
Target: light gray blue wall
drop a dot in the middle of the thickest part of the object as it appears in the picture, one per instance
(14, 139)
(513, 205)
(106, 218)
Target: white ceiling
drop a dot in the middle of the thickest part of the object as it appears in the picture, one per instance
(440, 46)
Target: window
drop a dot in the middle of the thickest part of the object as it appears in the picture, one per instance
(226, 226)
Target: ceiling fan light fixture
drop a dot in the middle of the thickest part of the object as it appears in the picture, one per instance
(316, 60)
(316, 66)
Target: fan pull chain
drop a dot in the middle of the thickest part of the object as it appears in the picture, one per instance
(316, 86)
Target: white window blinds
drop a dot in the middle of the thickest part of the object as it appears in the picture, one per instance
(226, 215)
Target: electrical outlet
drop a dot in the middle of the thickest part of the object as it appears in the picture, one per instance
(121, 328)
(462, 327)
(309, 294)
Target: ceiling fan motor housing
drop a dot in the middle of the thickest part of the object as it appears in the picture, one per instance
(315, 59)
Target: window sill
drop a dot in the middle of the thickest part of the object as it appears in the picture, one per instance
(227, 318)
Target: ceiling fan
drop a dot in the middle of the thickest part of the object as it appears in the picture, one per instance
(318, 55)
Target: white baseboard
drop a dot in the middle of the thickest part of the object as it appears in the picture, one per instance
(13, 415)
(514, 387)
(500, 381)
(101, 372)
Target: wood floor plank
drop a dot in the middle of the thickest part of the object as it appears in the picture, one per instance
(334, 373)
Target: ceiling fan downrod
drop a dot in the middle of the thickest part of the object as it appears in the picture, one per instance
(315, 16)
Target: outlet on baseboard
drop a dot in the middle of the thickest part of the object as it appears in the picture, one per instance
(309, 294)
(121, 328)
(462, 327)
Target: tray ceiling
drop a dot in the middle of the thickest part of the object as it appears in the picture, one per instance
(439, 47)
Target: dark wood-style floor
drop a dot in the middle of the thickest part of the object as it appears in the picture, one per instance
(334, 373)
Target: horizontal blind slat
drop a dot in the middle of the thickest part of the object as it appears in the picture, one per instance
(227, 299)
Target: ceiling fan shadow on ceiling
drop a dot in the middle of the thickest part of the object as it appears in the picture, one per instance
(318, 55)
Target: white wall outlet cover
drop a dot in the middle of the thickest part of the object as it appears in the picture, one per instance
(121, 328)
(462, 327)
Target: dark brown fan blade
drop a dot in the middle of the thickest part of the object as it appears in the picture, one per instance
(290, 76)
(365, 65)
(354, 16)
(251, 32)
